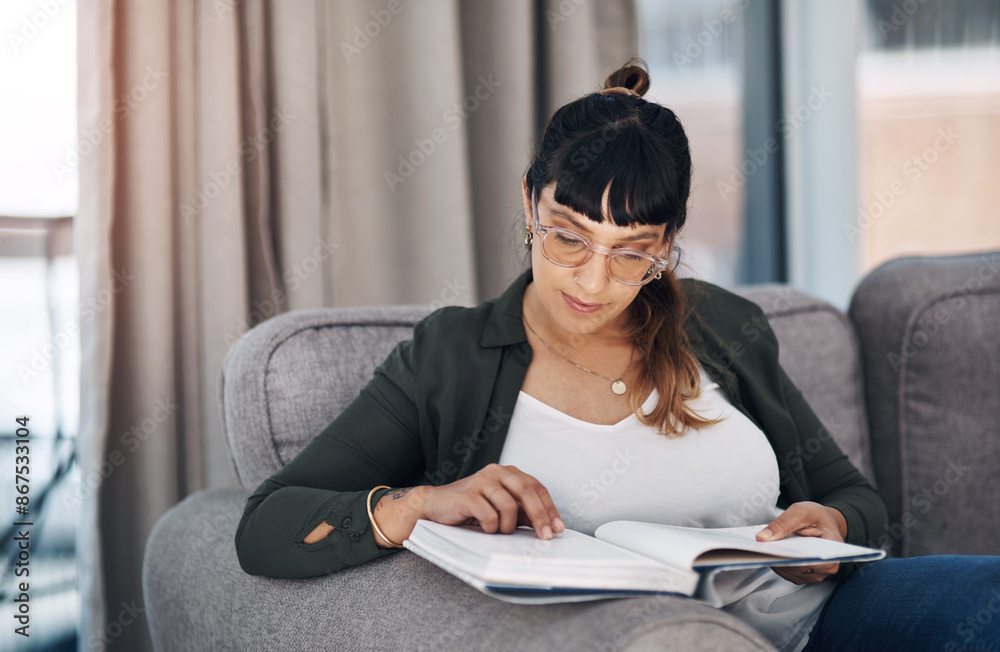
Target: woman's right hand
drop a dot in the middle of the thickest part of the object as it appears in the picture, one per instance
(497, 498)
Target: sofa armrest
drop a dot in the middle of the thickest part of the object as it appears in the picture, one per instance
(198, 598)
(930, 337)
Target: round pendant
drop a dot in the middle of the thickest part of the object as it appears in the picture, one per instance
(618, 387)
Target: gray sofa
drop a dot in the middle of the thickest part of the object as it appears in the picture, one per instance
(908, 383)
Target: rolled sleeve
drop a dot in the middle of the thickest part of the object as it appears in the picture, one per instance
(279, 550)
(372, 442)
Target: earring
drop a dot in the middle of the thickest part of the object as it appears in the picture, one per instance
(658, 276)
(528, 238)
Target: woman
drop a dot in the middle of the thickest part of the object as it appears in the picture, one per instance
(597, 387)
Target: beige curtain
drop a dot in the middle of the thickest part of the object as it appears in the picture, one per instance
(259, 157)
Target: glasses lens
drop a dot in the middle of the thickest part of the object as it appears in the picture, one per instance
(632, 269)
(564, 248)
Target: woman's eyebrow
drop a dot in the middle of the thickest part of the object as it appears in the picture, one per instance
(558, 212)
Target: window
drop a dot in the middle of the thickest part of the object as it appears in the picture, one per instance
(695, 56)
(39, 329)
(928, 93)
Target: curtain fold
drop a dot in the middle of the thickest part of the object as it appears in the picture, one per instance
(267, 156)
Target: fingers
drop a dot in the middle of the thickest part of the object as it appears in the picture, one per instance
(806, 574)
(505, 510)
(806, 519)
(498, 498)
(786, 523)
(535, 501)
(482, 513)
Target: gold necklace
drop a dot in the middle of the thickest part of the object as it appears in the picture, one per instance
(617, 384)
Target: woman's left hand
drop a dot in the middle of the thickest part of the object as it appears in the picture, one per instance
(806, 519)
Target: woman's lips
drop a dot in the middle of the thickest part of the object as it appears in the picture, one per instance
(579, 306)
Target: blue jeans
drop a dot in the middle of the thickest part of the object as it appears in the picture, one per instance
(937, 602)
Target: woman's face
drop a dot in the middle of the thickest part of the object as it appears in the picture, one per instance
(560, 291)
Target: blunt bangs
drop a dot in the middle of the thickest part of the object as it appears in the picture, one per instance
(647, 188)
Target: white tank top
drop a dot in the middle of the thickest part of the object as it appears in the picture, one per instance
(723, 475)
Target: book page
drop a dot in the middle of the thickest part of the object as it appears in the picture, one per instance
(570, 559)
(687, 547)
(469, 543)
(568, 547)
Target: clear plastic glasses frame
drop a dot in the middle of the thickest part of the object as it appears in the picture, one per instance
(656, 264)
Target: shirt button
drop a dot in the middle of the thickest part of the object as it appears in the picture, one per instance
(346, 522)
(355, 537)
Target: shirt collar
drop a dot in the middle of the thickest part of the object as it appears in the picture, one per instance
(504, 325)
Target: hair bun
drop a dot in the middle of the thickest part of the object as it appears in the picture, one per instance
(632, 78)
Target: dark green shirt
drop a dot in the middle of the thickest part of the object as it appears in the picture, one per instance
(438, 408)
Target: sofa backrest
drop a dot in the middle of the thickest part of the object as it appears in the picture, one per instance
(818, 348)
(286, 379)
(289, 377)
(929, 329)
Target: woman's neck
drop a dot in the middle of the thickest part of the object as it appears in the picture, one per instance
(546, 328)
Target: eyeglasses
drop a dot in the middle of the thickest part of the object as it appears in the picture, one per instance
(570, 249)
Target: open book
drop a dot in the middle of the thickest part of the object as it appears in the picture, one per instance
(623, 559)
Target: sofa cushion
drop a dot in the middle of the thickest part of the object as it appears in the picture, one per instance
(818, 348)
(930, 335)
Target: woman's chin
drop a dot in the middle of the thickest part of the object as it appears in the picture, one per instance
(581, 324)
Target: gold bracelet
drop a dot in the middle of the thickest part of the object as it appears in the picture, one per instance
(371, 518)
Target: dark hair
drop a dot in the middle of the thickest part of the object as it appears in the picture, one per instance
(616, 137)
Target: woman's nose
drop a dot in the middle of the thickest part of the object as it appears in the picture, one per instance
(592, 276)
